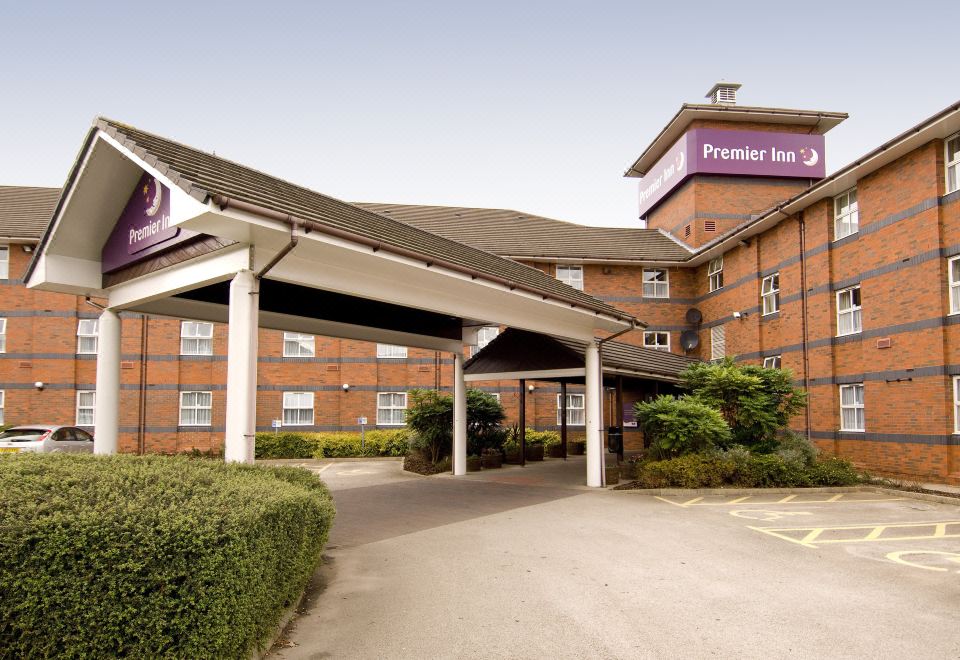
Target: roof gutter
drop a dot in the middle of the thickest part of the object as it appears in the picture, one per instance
(308, 226)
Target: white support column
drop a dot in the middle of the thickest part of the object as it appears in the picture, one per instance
(106, 430)
(459, 417)
(242, 369)
(592, 403)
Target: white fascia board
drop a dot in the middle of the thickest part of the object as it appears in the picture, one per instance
(62, 274)
(543, 374)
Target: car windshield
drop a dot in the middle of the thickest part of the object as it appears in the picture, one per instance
(22, 435)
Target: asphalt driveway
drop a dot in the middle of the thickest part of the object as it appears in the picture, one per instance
(525, 563)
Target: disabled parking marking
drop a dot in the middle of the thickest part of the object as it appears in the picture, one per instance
(812, 537)
(839, 498)
(949, 556)
(766, 515)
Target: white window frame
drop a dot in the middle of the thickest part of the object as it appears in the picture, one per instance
(192, 335)
(487, 334)
(298, 405)
(571, 275)
(576, 410)
(853, 406)
(855, 312)
(657, 335)
(715, 273)
(954, 284)
(951, 169)
(657, 288)
(4, 262)
(770, 294)
(195, 408)
(3, 335)
(3, 403)
(846, 214)
(91, 408)
(956, 404)
(388, 408)
(87, 329)
(298, 344)
(391, 352)
(718, 342)
(496, 395)
(772, 361)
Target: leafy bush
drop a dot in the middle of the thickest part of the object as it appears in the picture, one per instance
(151, 557)
(417, 462)
(795, 448)
(738, 467)
(833, 472)
(285, 445)
(533, 437)
(378, 442)
(678, 426)
(690, 471)
(430, 416)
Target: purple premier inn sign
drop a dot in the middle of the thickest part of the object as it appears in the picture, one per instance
(143, 228)
(750, 153)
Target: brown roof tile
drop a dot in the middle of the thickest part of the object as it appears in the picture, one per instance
(25, 212)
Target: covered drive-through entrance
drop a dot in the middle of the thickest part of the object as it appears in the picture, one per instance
(148, 225)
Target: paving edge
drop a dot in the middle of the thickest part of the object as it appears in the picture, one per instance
(930, 497)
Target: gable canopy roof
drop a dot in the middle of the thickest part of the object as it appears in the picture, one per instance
(523, 235)
(26, 211)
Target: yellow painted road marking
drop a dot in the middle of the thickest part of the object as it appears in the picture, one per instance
(765, 514)
(898, 557)
(789, 499)
(811, 536)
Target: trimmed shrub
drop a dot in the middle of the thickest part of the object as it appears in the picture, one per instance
(678, 426)
(151, 557)
(834, 472)
(691, 471)
(377, 442)
(545, 438)
(738, 467)
(285, 445)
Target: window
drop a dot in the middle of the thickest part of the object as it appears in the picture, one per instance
(3, 335)
(846, 215)
(487, 335)
(391, 351)
(87, 336)
(715, 273)
(496, 395)
(196, 338)
(956, 405)
(298, 408)
(86, 404)
(656, 283)
(770, 294)
(4, 262)
(576, 410)
(657, 340)
(953, 275)
(848, 311)
(771, 362)
(296, 344)
(718, 342)
(851, 407)
(195, 408)
(2, 397)
(391, 408)
(953, 163)
(571, 275)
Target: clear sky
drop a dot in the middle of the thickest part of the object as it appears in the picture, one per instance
(536, 106)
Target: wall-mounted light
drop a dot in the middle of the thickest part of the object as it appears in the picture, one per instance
(346, 387)
(39, 385)
(27, 248)
(530, 388)
(737, 315)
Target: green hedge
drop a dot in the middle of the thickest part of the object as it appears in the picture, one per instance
(534, 437)
(151, 556)
(743, 470)
(286, 444)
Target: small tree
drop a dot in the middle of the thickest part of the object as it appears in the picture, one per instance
(681, 426)
(431, 417)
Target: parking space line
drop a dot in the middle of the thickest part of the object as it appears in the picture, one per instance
(813, 536)
(789, 499)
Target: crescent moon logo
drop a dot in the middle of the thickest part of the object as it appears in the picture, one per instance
(813, 159)
(680, 161)
(157, 198)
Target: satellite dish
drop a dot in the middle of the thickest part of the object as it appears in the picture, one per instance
(689, 339)
(694, 315)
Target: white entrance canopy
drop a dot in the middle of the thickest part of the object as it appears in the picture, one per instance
(154, 226)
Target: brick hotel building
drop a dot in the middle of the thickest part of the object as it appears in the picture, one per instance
(744, 248)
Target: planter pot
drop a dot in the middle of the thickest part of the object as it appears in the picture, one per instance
(613, 476)
(491, 461)
(535, 453)
(556, 451)
(577, 448)
(512, 458)
(473, 463)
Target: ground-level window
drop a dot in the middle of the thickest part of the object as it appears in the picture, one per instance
(391, 408)
(196, 408)
(196, 338)
(715, 273)
(771, 362)
(298, 408)
(2, 403)
(296, 344)
(770, 294)
(86, 405)
(576, 410)
(848, 311)
(953, 163)
(571, 275)
(4, 262)
(656, 283)
(846, 214)
(718, 342)
(851, 407)
(657, 340)
(953, 273)
(487, 335)
(391, 351)
(495, 395)
(87, 336)
(3, 335)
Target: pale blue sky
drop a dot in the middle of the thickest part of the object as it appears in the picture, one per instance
(537, 106)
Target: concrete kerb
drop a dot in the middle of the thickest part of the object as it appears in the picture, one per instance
(735, 492)
(289, 461)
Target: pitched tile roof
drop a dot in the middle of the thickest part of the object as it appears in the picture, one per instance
(205, 175)
(516, 234)
(25, 211)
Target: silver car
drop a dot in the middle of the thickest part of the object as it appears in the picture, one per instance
(46, 439)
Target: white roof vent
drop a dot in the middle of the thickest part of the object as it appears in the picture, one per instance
(724, 93)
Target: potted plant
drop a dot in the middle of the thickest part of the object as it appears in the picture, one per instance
(555, 451)
(535, 451)
(577, 447)
(473, 463)
(491, 458)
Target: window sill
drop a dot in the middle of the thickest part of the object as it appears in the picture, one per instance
(852, 431)
(837, 240)
(851, 334)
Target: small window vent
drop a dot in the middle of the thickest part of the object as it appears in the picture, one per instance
(723, 93)
(686, 231)
(709, 225)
